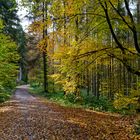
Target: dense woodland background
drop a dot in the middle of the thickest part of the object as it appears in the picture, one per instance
(83, 52)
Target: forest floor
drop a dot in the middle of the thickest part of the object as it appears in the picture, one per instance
(26, 117)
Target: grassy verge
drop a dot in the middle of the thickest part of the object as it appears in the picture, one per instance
(70, 100)
(54, 97)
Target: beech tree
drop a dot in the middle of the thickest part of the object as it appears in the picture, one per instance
(90, 45)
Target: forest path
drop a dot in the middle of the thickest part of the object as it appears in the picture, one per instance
(25, 117)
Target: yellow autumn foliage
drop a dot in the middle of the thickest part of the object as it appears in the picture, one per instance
(123, 102)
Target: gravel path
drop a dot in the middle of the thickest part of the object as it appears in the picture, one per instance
(25, 117)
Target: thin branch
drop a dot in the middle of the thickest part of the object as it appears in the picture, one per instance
(134, 28)
(90, 53)
(111, 28)
(125, 63)
(118, 12)
(87, 33)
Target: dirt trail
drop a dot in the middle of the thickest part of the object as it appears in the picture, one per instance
(29, 118)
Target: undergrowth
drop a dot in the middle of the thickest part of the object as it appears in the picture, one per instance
(70, 100)
(4, 96)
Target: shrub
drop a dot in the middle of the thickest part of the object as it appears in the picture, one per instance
(70, 97)
(4, 97)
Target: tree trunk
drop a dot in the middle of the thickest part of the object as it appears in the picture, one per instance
(44, 10)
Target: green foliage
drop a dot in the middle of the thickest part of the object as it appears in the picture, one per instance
(21, 83)
(71, 97)
(36, 91)
(8, 61)
(1, 25)
(8, 64)
(4, 97)
(127, 104)
(91, 102)
(11, 27)
(8, 13)
(101, 104)
(34, 84)
(82, 52)
(124, 102)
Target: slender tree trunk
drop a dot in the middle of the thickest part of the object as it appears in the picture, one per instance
(98, 86)
(44, 11)
(64, 43)
(53, 68)
(88, 81)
